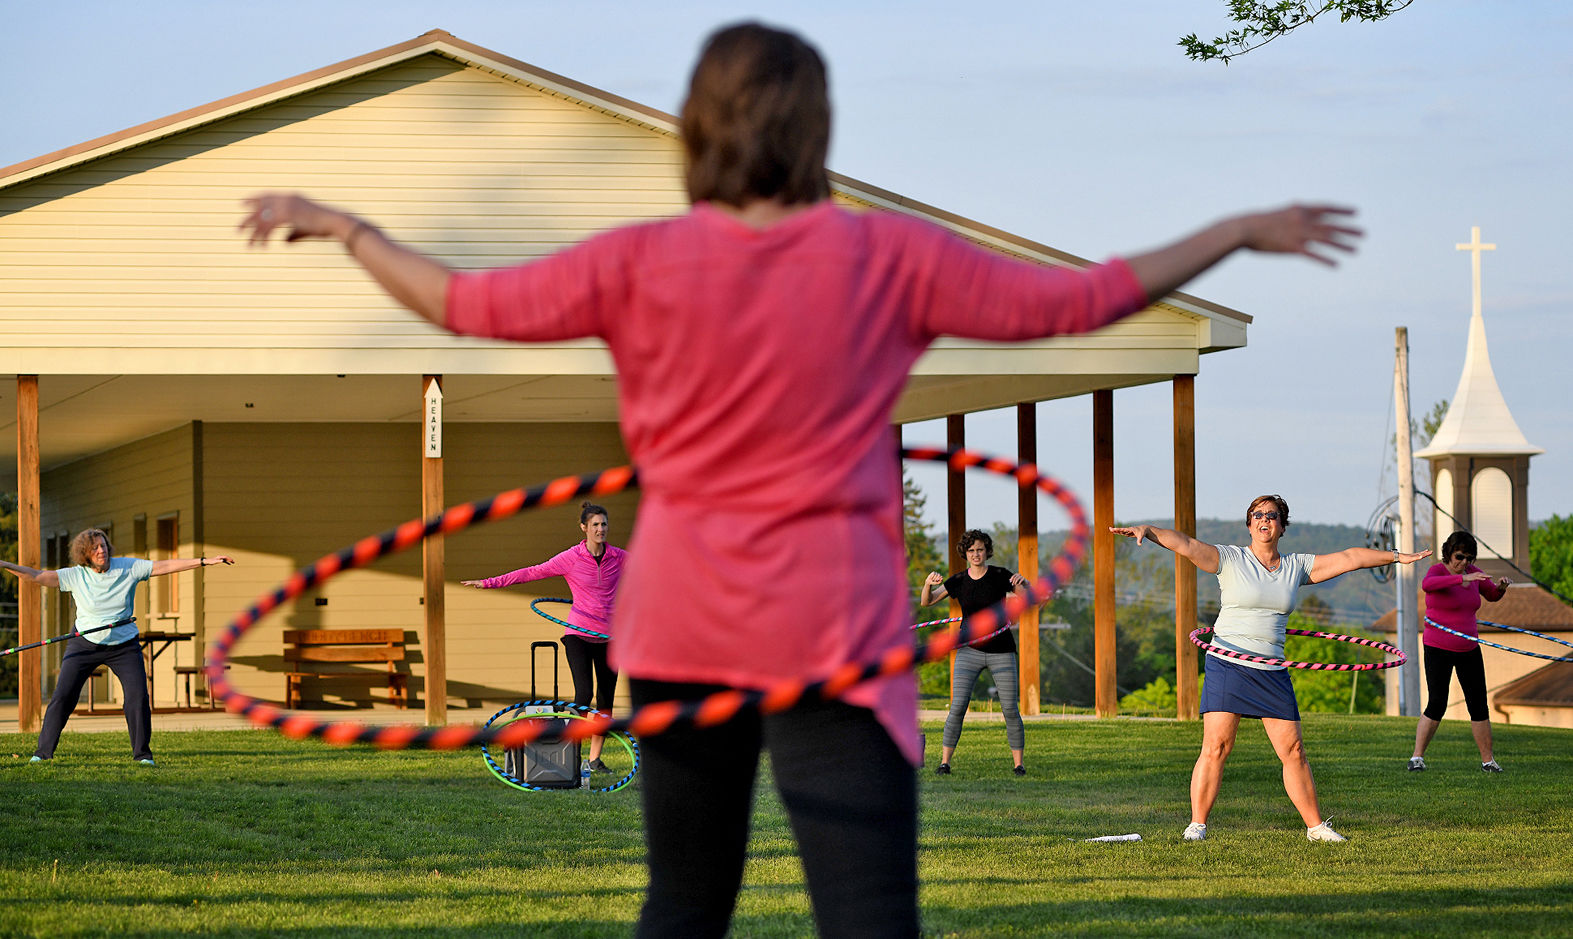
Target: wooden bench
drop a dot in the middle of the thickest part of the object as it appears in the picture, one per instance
(308, 651)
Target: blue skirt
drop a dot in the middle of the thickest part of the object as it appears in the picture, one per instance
(1248, 692)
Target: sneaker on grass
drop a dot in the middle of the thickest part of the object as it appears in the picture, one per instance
(1490, 766)
(1019, 770)
(1324, 832)
(596, 766)
(942, 769)
(147, 762)
(1416, 764)
(1195, 831)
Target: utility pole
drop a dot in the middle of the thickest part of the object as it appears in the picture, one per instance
(1404, 574)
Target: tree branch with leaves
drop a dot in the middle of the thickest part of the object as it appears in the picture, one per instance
(1261, 23)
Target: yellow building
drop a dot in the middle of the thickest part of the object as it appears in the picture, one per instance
(196, 397)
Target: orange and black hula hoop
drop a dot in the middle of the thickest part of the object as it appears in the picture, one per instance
(653, 718)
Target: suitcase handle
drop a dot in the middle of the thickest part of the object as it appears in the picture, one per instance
(550, 645)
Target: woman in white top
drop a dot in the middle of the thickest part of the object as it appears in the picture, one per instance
(1258, 588)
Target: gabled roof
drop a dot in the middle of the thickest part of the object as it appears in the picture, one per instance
(443, 43)
(434, 41)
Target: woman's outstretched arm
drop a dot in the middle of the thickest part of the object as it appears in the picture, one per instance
(43, 578)
(1328, 566)
(176, 565)
(408, 276)
(1200, 553)
(1309, 230)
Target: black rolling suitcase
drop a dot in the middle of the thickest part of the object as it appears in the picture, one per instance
(550, 762)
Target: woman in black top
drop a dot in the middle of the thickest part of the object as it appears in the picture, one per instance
(979, 587)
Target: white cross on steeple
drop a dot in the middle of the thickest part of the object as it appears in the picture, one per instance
(1474, 248)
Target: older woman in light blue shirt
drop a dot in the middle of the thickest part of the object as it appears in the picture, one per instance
(1258, 588)
(104, 588)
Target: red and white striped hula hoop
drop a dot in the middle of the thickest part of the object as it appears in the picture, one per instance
(650, 719)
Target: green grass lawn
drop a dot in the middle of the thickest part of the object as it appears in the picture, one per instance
(246, 833)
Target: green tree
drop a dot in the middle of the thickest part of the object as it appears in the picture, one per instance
(1143, 629)
(1431, 423)
(1422, 429)
(1262, 21)
(1154, 698)
(1333, 692)
(1551, 553)
(8, 594)
(8, 536)
(924, 554)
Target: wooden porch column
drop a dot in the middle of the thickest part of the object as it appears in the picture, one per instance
(29, 544)
(1187, 703)
(1105, 701)
(1027, 555)
(955, 510)
(433, 557)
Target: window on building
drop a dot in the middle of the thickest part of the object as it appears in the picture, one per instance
(1491, 504)
(168, 546)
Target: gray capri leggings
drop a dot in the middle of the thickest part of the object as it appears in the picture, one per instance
(1002, 667)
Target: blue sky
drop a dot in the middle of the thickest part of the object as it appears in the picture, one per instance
(1081, 126)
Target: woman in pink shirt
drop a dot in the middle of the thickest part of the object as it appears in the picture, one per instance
(1454, 587)
(592, 569)
(761, 342)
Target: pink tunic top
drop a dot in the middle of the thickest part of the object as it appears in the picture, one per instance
(1453, 603)
(757, 373)
(592, 583)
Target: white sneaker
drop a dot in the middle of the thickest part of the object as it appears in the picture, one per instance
(1416, 764)
(1490, 766)
(1324, 832)
(1195, 831)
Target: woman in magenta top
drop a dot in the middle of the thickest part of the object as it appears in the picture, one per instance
(1454, 588)
(592, 569)
(761, 342)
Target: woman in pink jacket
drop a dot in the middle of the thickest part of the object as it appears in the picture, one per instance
(592, 568)
(1454, 588)
(762, 340)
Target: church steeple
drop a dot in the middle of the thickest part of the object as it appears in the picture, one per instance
(1479, 457)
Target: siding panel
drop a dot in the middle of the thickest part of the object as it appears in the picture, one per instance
(138, 250)
(282, 495)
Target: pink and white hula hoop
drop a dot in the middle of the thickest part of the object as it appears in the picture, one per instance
(1206, 646)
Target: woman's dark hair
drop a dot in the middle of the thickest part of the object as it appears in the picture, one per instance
(1278, 503)
(756, 123)
(1459, 540)
(83, 544)
(974, 536)
(588, 510)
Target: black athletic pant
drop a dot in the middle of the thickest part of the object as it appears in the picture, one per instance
(1471, 668)
(584, 659)
(851, 797)
(81, 658)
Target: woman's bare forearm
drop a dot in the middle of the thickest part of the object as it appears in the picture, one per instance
(413, 279)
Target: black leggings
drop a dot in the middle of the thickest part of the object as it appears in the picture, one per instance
(1471, 668)
(584, 658)
(81, 658)
(851, 797)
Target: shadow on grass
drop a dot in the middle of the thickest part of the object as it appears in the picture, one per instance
(1439, 911)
